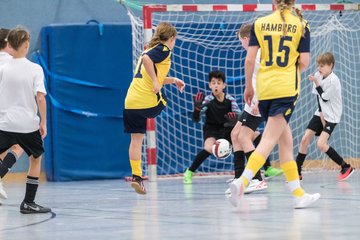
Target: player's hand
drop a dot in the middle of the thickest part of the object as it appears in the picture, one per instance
(156, 87)
(248, 95)
(313, 79)
(255, 108)
(231, 119)
(179, 84)
(198, 99)
(42, 130)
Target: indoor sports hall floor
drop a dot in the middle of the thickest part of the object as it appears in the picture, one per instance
(111, 210)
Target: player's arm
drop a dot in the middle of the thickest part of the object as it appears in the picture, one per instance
(320, 112)
(152, 57)
(304, 49)
(304, 61)
(178, 82)
(40, 93)
(249, 66)
(234, 106)
(41, 101)
(232, 116)
(150, 69)
(326, 95)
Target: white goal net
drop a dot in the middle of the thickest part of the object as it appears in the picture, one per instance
(207, 41)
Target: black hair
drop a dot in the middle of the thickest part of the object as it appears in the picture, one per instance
(217, 74)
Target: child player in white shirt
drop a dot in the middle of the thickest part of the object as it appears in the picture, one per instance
(328, 92)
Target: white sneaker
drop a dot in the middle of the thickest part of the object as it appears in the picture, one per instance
(256, 185)
(306, 200)
(237, 191)
(230, 180)
(3, 194)
(228, 192)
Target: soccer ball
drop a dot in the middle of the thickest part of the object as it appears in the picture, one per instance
(222, 148)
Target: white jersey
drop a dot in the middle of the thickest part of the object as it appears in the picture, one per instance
(20, 80)
(330, 100)
(4, 58)
(248, 108)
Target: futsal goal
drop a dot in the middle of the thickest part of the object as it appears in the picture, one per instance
(206, 41)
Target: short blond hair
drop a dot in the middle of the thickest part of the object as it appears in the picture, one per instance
(245, 30)
(326, 59)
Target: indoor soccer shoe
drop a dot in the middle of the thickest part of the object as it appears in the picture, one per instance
(3, 194)
(230, 180)
(237, 191)
(29, 208)
(345, 173)
(256, 185)
(306, 200)
(188, 177)
(137, 183)
(273, 172)
(228, 192)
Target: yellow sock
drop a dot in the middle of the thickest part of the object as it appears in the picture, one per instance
(292, 176)
(245, 181)
(136, 167)
(255, 162)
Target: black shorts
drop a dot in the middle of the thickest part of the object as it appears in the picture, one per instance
(315, 125)
(217, 133)
(273, 107)
(250, 121)
(32, 143)
(135, 119)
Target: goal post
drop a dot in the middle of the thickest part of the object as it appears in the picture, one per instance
(206, 41)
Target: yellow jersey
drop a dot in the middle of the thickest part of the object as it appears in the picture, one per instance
(140, 94)
(279, 74)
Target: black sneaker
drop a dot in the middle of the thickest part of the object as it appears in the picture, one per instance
(138, 184)
(28, 208)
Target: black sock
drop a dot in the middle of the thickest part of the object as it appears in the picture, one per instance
(248, 154)
(337, 158)
(300, 161)
(267, 164)
(7, 163)
(257, 140)
(32, 184)
(239, 163)
(199, 159)
(258, 174)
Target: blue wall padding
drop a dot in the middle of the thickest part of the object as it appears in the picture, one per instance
(87, 76)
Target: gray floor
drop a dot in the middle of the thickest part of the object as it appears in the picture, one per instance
(170, 210)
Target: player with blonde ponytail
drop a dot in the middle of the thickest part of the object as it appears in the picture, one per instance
(144, 98)
(284, 40)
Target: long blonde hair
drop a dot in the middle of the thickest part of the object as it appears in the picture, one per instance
(164, 31)
(288, 4)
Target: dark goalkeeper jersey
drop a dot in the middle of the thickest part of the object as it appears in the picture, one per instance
(215, 110)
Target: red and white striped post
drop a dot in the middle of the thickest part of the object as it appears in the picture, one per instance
(150, 123)
(151, 148)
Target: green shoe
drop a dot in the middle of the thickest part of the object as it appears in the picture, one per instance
(273, 172)
(188, 177)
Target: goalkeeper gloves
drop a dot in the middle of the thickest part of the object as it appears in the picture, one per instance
(198, 100)
(231, 119)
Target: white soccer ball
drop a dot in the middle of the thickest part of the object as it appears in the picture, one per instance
(222, 148)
